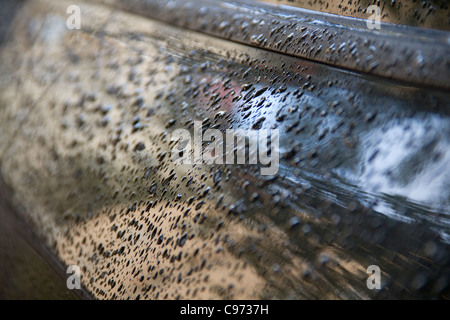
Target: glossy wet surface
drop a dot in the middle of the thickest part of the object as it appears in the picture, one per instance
(86, 125)
(426, 14)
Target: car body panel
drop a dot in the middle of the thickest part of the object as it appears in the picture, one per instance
(86, 123)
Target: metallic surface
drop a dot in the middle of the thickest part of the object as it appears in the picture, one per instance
(85, 149)
(433, 14)
(24, 274)
(411, 55)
